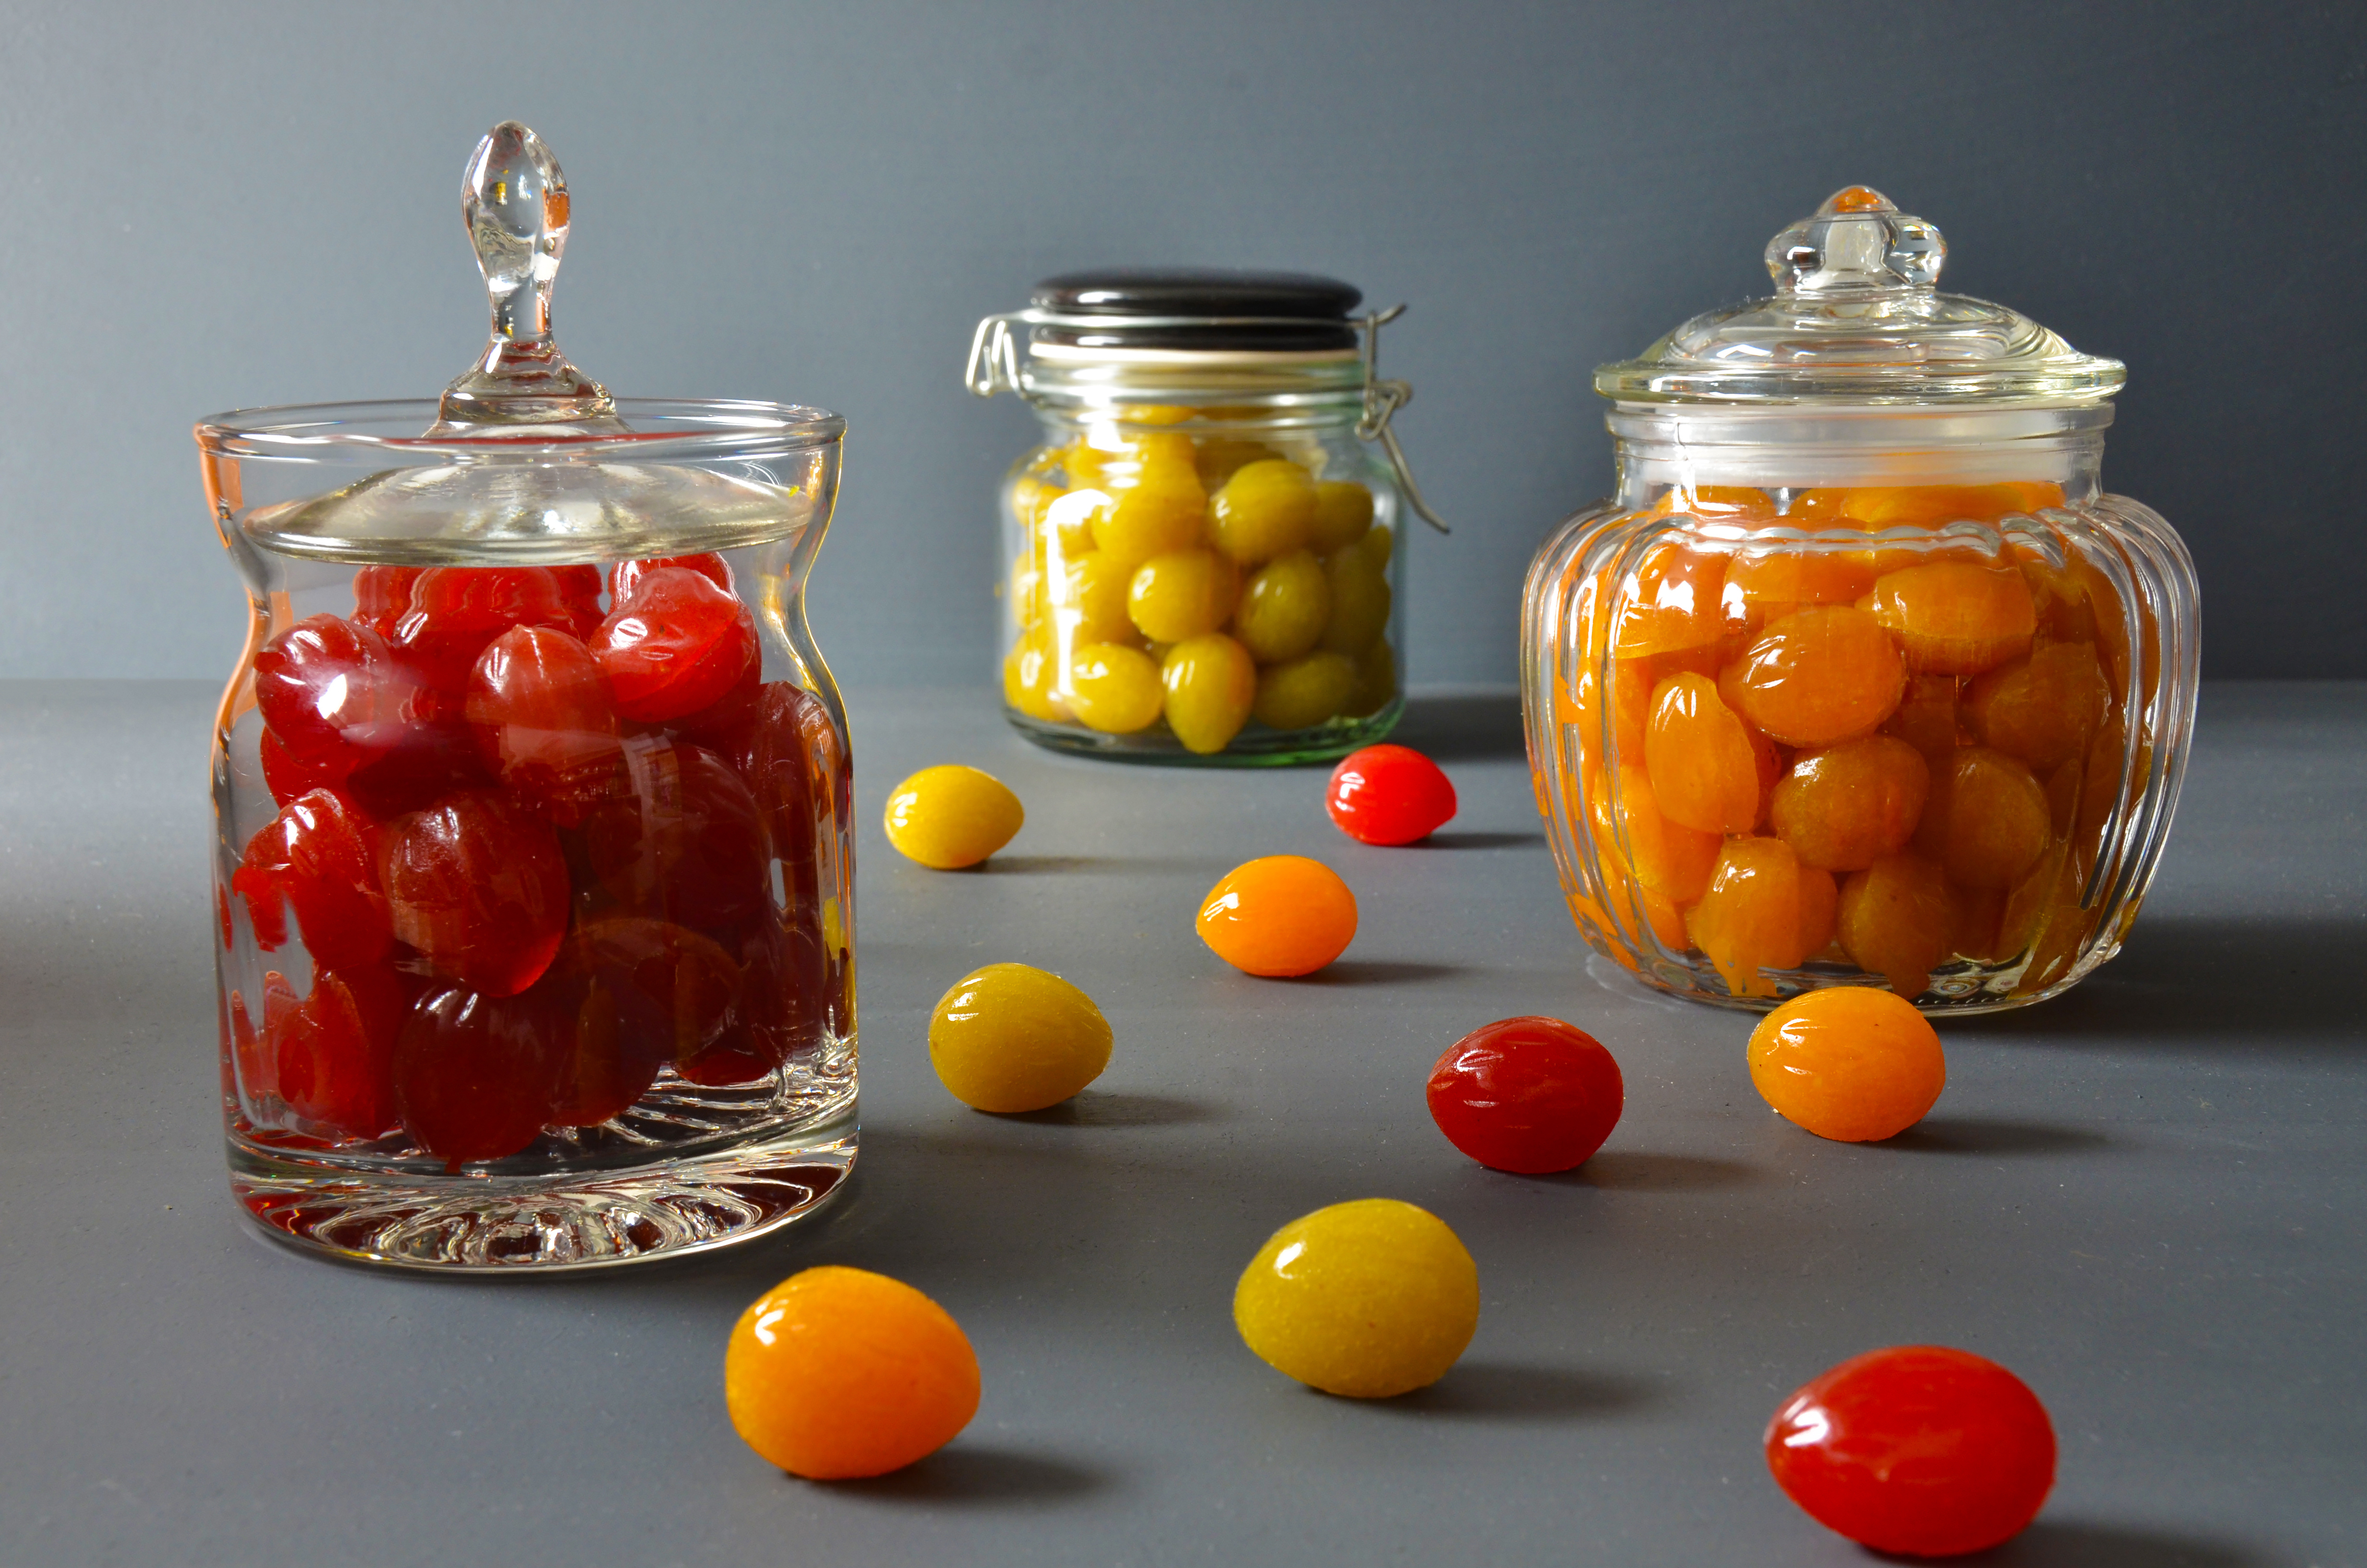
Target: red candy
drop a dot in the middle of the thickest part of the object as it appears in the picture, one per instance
(677, 645)
(684, 843)
(381, 595)
(335, 1050)
(1389, 795)
(1918, 1449)
(540, 712)
(333, 693)
(626, 576)
(455, 612)
(319, 855)
(474, 1075)
(1526, 1095)
(480, 888)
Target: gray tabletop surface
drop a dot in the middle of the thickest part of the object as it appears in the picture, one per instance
(2145, 1198)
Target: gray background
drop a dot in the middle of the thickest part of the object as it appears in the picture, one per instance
(240, 204)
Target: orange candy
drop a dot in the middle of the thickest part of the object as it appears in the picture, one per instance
(1844, 807)
(1850, 1064)
(1668, 857)
(1987, 821)
(1956, 617)
(1703, 769)
(1926, 716)
(1817, 676)
(2043, 709)
(1768, 586)
(1879, 506)
(1895, 920)
(1280, 917)
(1671, 601)
(1764, 910)
(839, 1373)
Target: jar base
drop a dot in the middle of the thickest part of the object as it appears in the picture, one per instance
(551, 1222)
(1258, 748)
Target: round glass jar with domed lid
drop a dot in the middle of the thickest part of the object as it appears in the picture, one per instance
(1861, 677)
(533, 859)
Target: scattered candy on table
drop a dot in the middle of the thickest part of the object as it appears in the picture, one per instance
(1919, 1450)
(1369, 1299)
(1526, 1095)
(836, 1373)
(949, 817)
(1008, 1037)
(1852, 1063)
(1389, 794)
(1280, 917)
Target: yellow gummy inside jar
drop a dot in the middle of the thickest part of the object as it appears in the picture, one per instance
(1180, 571)
(1893, 757)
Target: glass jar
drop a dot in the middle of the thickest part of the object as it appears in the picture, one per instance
(533, 859)
(1859, 679)
(1203, 562)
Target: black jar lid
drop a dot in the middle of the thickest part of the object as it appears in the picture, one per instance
(1196, 308)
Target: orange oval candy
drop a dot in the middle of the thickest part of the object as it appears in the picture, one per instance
(1988, 820)
(839, 1373)
(1956, 617)
(1756, 914)
(2043, 709)
(1926, 716)
(1699, 757)
(1770, 584)
(1668, 857)
(1671, 601)
(1849, 1063)
(1844, 807)
(1817, 676)
(1895, 920)
(1279, 916)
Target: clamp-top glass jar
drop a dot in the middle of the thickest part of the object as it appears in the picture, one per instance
(1859, 679)
(533, 868)
(1203, 562)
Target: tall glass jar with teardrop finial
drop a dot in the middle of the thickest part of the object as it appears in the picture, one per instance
(533, 859)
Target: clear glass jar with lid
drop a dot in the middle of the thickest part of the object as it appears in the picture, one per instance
(1204, 559)
(533, 856)
(1861, 678)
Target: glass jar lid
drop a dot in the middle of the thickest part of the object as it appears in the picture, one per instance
(1856, 319)
(524, 457)
(1193, 309)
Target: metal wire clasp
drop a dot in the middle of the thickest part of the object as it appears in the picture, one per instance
(993, 357)
(1381, 399)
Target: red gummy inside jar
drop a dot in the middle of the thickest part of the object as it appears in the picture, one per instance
(528, 848)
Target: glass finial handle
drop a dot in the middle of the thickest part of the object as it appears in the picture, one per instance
(1858, 242)
(514, 201)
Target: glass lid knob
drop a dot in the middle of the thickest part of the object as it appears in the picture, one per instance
(514, 199)
(1857, 243)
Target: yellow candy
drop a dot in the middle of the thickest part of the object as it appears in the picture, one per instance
(1011, 1038)
(1377, 681)
(1266, 509)
(1210, 681)
(1304, 691)
(1068, 521)
(1221, 457)
(1283, 608)
(1369, 1299)
(1380, 543)
(1186, 595)
(1165, 509)
(951, 817)
(1031, 678)
(1360, 600)
(1090, 595)
(1113, 688)
(1344, 511)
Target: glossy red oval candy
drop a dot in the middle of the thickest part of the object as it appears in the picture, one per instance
(1389, 795)
(480, 886)
(474, 1074)
(677, 645)
(1918, 1449)
(1529, 1095)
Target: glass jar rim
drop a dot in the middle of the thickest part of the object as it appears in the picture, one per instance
(383, 431)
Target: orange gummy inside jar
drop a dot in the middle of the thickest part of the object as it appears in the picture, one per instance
(1897, 757)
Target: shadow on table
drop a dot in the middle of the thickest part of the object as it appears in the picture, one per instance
(1377, 971)
(1097, 1107)
(1992, 1136)
(981, 1475)
(2243, 982)
(1463, 726)
(2073, 1544)
(1507, 1391)
(1638, 1170)
(1450, 839)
